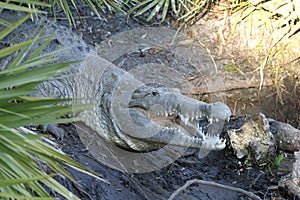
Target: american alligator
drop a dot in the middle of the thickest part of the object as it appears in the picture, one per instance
(127, 112)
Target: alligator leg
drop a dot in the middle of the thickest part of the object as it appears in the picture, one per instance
(54, 130)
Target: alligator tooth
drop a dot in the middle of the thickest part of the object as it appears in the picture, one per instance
(166, 114)
(186, 121)
(210, 120)
(186, 115)
(192, 118)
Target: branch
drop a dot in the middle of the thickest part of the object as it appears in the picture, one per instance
(209, 183)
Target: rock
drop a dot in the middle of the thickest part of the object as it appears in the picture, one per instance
(253, 139)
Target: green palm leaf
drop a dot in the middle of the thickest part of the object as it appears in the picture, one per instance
(21, 177)
(185, 10)
(12, 5)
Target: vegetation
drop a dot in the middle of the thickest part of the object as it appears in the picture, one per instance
(270, 28)
(274, 14)
(23, 154)
(183, 10)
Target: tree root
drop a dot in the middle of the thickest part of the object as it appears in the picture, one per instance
(289, 187)
(291, 183)
(210, 183)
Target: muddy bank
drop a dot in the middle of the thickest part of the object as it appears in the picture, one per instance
(221, 167)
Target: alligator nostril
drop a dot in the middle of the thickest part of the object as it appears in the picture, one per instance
(155, 93)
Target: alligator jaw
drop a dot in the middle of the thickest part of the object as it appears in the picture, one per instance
(165, 117)
(185, 122)
(186, 127)
(177, 137)
(178, 121)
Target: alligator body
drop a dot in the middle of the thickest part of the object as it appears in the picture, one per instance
(131, 114)
(140, 116)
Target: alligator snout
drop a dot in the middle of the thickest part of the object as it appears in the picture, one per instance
(177, 117)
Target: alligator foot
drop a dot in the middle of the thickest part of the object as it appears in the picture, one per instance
(54, 130)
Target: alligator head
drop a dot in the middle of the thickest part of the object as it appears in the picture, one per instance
(160, 116)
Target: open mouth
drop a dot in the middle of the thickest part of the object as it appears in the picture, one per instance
(180, 122)
(178, 128)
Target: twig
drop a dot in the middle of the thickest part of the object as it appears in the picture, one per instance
(231, 85)
(209, 183)
(273, 187)
(256, 179)
(261, 71)
(176, 34)
(290, 62)
(79, 17)
(81, 191)
(210, 54)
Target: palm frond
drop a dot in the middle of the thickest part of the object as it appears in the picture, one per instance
(95, 5)
(21, 154)
(68, 7)
(184, 10)
(28, 6)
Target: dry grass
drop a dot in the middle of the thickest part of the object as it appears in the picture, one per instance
(259, 39)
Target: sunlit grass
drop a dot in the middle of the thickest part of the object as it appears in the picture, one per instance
(279, 19)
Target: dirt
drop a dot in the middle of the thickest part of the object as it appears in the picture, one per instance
(218, 166)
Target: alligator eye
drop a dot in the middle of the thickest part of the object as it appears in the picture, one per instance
(155, 93)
